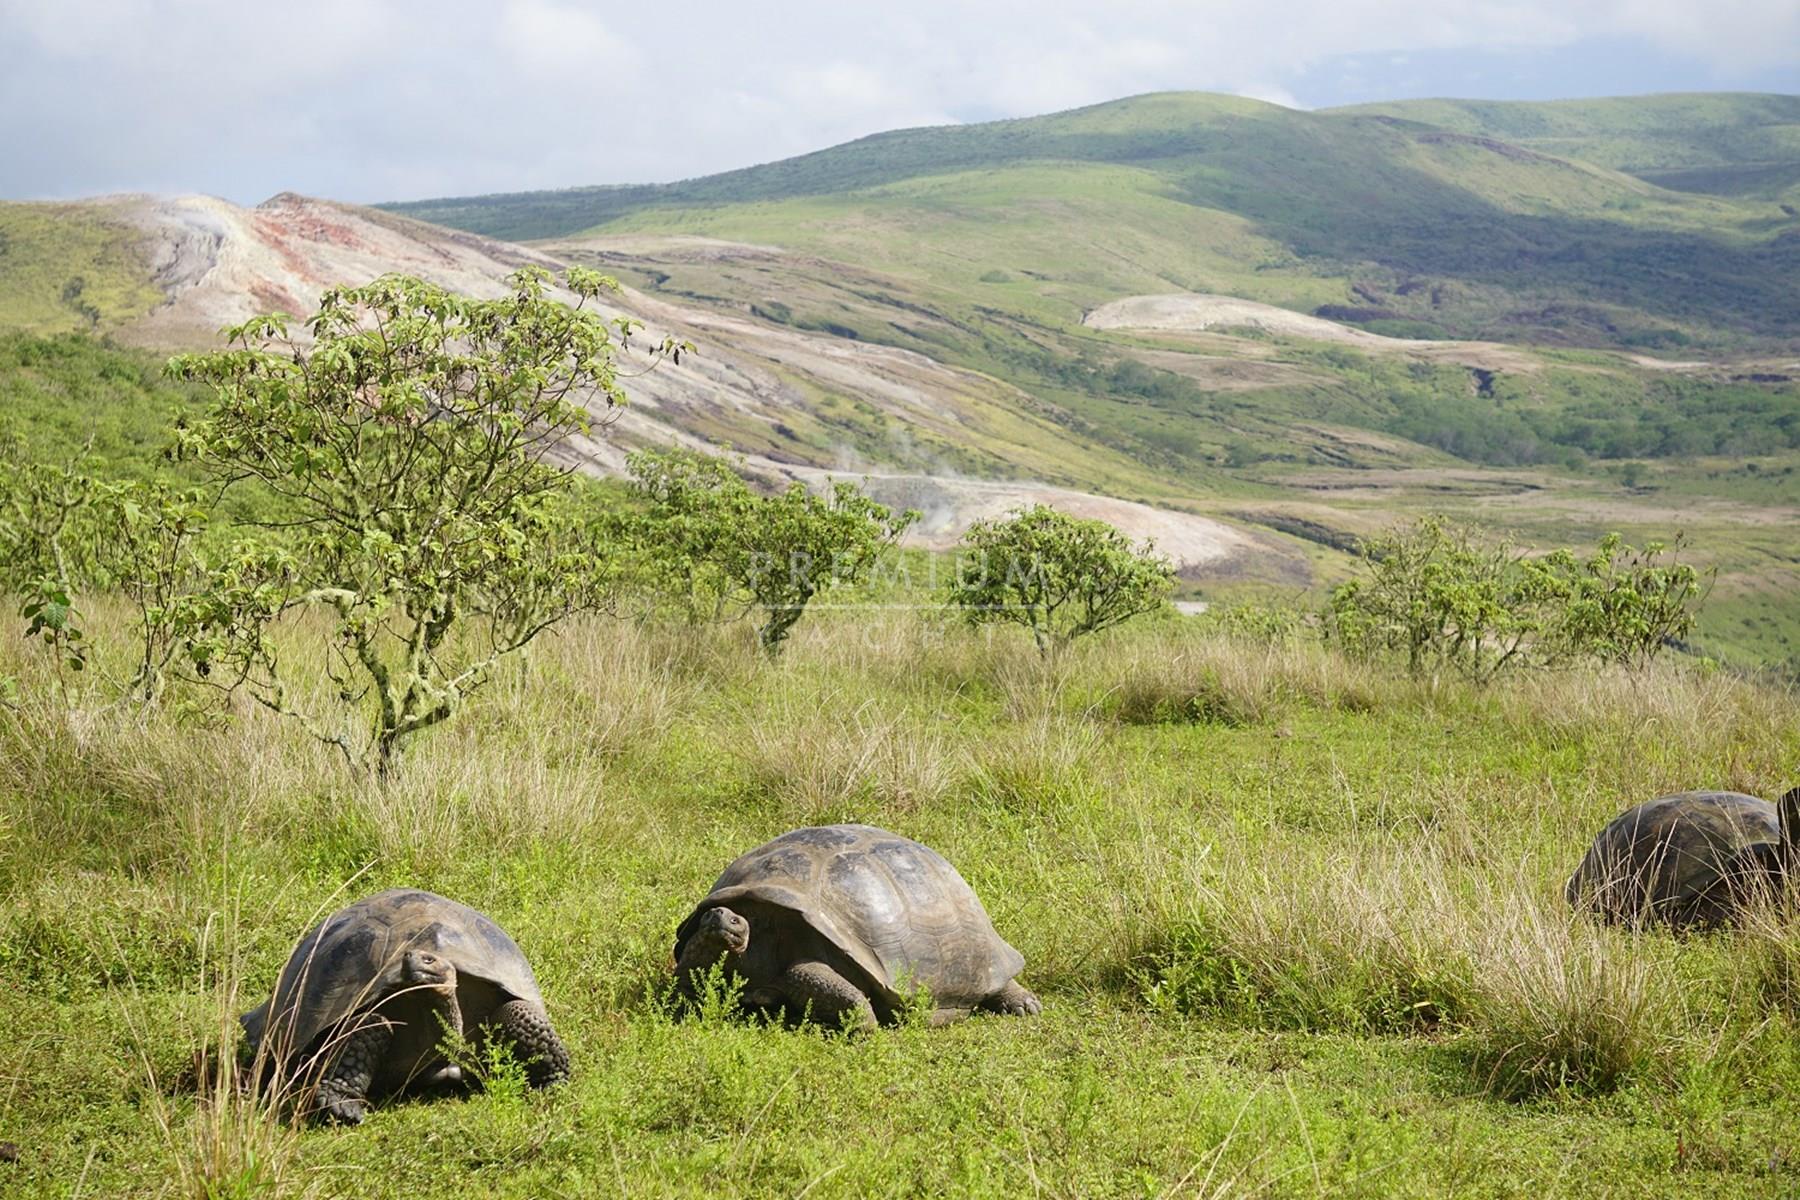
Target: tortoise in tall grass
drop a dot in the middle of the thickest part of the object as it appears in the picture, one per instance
(369, 996)
(1691, 861)
(837, 923)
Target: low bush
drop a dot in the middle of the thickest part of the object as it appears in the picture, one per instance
(1060, 577)
(721, 550)
(1436, 594)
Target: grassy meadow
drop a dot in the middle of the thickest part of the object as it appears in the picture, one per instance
(1297, 923)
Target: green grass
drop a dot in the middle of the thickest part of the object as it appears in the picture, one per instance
(68, 392)
(64, 267)
(1728, 143)
(1305, 935)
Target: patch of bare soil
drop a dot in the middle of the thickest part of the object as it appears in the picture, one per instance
(949, 506)
(1196, 312)
(219, 264)
(1666, 364)
(1190, 312)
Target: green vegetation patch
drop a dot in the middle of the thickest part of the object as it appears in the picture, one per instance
(70, 391)
(1321, 947)
(1731, 143)
(66, 267)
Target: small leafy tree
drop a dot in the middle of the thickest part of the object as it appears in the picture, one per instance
(406, 445)
(150, 536)
(1444, 598)
(1436, 594)
(1625, 604)
(801, 543)
(681, 546)
(723, 550)
(1059, 576)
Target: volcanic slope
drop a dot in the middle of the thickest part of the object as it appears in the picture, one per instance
(794, 403)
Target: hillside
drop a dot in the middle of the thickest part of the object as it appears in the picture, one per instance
(1360, 213)
(1720, 143)
(973, 325)
(794, 403)
(71, 266)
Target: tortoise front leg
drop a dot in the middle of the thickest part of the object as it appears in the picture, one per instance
(816, 991)
(527, 1028)
(343, 1094)
(1013, 1000)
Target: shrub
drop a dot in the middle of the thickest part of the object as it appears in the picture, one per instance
(723, 550)
(407, 446)
(1059, 576)
(1435, 593)
(1624, 604)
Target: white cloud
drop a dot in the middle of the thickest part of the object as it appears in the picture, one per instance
(1728, 34)
(559, 38)
(370, 99)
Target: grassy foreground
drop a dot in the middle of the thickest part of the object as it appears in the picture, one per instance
(1297, 924)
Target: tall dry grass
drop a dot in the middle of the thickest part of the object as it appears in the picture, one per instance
(1096, 799)
(1399, 937)
(226, 1138)
(1231, 681)
(822, 757)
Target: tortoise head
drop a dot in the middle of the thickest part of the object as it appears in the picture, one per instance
(421, 968)
(719, 932)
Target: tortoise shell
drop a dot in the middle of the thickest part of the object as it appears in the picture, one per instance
(895, 908)
(351, 960)
(1687, 859)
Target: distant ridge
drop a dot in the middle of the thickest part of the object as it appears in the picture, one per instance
(1722, 143)
(1558, 221)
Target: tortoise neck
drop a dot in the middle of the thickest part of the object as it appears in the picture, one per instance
(441, 1005)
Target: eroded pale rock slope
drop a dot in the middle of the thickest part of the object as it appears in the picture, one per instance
(218, 264)
(1196, 312)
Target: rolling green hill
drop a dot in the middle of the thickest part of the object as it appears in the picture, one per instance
(988, 246)
(1363, 213)
(1732, 144)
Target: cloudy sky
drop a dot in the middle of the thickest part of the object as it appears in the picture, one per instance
(399, 99)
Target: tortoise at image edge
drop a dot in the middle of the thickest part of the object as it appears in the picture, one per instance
(369, 995)
(1692, 860)
(838, 922)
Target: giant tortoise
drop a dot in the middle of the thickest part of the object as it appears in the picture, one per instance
(369, 995)
(839, 922)
(1691, 861)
